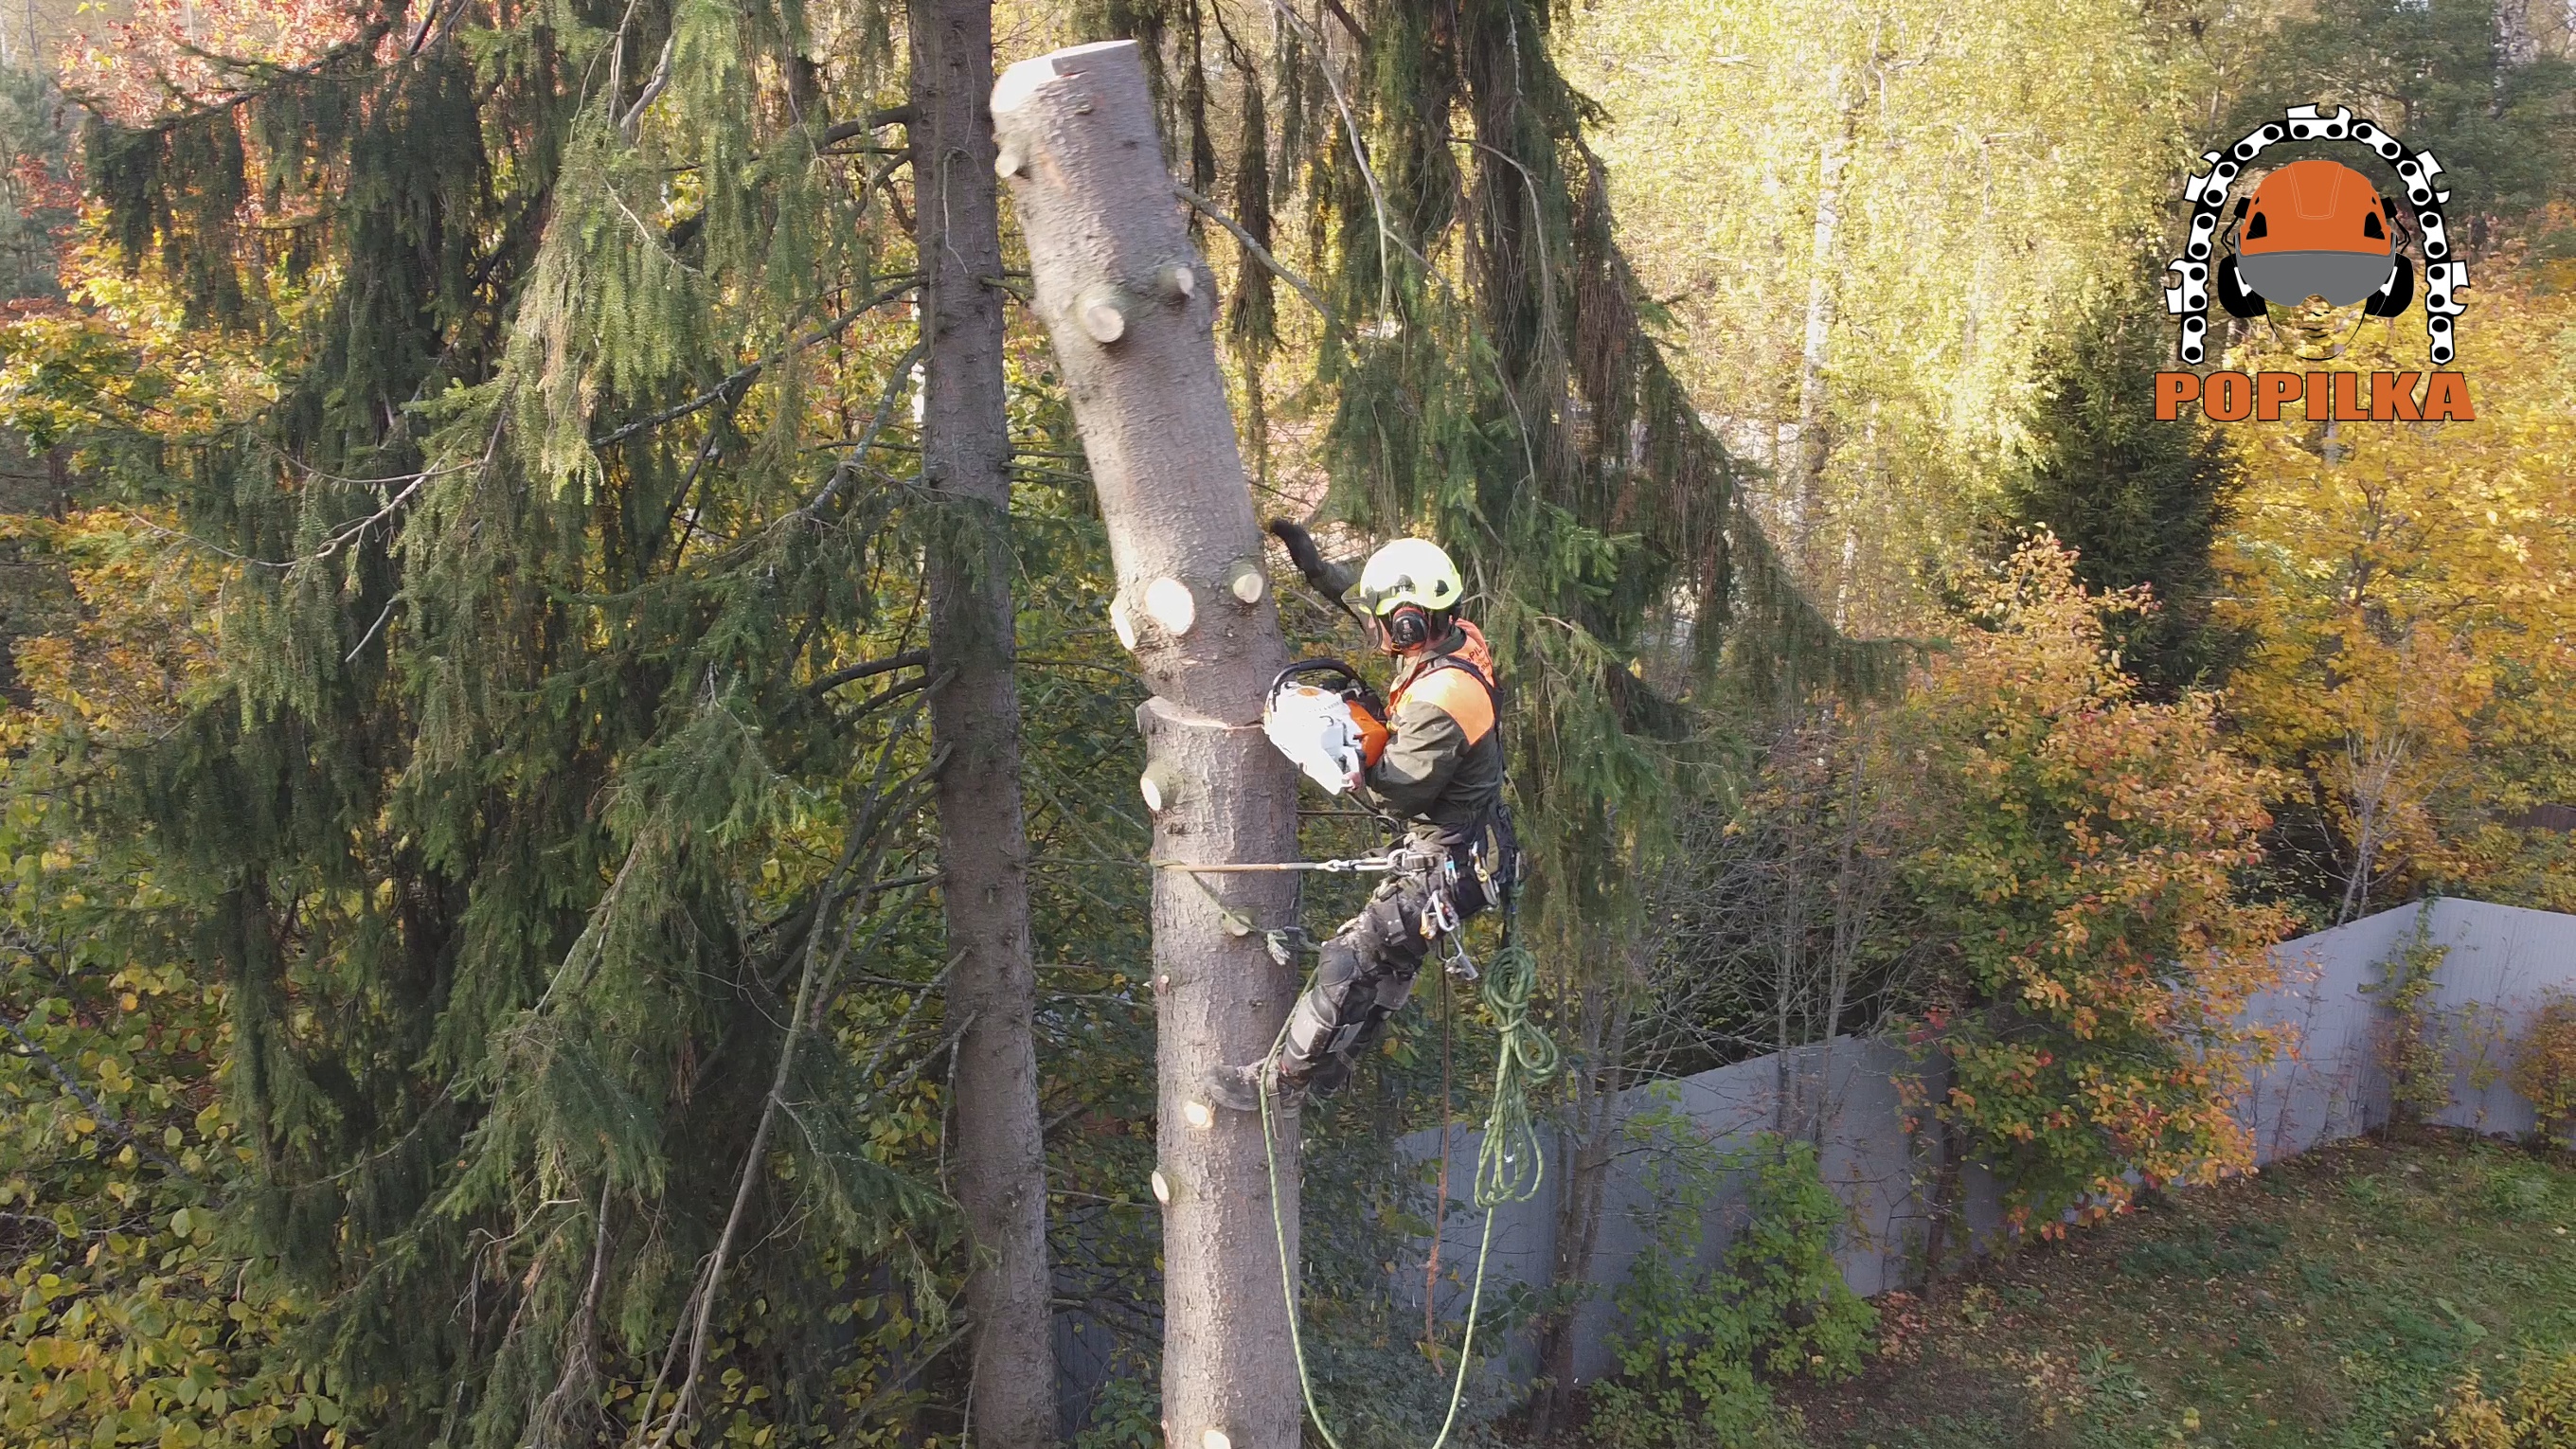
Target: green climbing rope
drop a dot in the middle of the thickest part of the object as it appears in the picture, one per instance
(1511, 1164)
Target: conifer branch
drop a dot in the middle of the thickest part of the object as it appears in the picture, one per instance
(935, 986)
(360, 47)
(884, 697)
(731, 385)
(898, 382)
(1353, 26)
(698, 1314)
(908, 659)
(581, 1366)
(1359, 149)
(875, 120)
(1258, 252)
(661, 78)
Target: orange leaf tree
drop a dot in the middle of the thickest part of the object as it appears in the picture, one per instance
(2080, 868)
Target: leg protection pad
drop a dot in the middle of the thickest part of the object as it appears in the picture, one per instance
(1331, 1013)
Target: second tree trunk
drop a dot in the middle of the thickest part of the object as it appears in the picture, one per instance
(1000, 1158)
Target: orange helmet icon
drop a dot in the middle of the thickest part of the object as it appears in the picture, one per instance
(2316, 229)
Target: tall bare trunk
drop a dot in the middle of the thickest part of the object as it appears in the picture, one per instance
(1585, 1147)
(1814, 449)
(975, 715)
(1130, 307)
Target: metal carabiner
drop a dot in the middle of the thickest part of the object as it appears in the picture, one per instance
(1440, 913)
(1460, 966)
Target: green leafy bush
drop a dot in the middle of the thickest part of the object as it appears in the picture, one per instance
(2410, 1037)
(2544, 1066)
(1698, 1345)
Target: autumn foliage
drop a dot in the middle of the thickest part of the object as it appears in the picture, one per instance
(2082, 871)
(2408, 594)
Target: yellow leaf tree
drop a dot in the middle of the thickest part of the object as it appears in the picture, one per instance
(2407, 593)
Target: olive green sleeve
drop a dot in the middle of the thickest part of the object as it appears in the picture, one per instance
(1338, 579)
(1423, 752)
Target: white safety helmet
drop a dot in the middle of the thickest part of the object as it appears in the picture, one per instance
(1410, 571)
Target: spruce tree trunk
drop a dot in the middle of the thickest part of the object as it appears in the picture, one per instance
(1586, 1149)
(975, 715)
(1130, 307)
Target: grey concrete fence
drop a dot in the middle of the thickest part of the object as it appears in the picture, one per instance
(2499, 963)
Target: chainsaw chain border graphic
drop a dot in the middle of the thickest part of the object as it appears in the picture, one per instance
(2444, 275)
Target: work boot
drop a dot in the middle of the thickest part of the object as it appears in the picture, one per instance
(1238, 1089)
(1331, 1075)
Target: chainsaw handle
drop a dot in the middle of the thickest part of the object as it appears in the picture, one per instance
(1348, 681)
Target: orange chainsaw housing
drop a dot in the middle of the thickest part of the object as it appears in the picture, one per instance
(1372, 730)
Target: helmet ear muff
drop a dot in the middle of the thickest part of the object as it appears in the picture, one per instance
(1408, 626)
(2393, 296)
(2238, 299)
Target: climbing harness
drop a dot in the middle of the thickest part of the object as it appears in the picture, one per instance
(1510, 1163)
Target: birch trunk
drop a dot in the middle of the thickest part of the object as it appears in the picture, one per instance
(1815, 449)
(1130, 307)
(975, 716)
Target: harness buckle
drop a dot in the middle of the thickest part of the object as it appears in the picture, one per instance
(1460, 966)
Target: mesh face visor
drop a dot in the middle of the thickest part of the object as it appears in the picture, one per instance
(2444, 276)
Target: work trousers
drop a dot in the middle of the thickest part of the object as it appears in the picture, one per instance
(1366, 970)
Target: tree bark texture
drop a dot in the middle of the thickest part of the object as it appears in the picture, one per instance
(1587, 1140)
(1000, 1161)
(1131, 307)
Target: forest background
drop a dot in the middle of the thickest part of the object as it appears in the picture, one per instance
(502, 514)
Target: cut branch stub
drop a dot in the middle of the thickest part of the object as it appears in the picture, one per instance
(1170, 603)
(1103, 314)
(1132, 312)
(1247, 581)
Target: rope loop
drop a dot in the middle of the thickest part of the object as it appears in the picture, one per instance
(1511, 1164)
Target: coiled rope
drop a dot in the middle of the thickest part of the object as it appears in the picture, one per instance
(1511, 1164)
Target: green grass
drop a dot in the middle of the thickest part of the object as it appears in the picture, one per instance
(2326, 1303)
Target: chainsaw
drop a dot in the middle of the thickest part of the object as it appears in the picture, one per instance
(1326, 720)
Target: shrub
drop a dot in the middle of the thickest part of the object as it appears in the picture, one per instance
(2539, 1412)
(2544, 1402)
(2410, 1036)
(2082, 885)
(1697, 1345)
(2544, 1065)
(2469, 1420)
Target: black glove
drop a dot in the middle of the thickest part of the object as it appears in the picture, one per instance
(1321, 576)
(1301, 549)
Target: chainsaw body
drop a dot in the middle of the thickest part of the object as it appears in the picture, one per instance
(1326, 720)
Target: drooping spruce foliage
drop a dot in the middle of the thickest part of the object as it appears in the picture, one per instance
(552, 830)
(1496, 384)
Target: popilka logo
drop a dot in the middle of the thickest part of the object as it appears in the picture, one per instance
(2318, 240)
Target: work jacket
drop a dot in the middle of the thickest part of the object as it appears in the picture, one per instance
(1443, 763)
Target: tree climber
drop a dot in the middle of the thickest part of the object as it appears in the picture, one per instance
(1440, 771)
